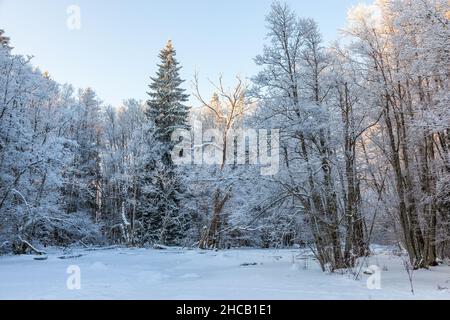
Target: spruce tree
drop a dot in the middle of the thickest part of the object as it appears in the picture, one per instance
(162, 187)
(166, 104)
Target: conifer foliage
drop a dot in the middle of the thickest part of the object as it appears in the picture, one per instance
(166, 104)
(162, 185)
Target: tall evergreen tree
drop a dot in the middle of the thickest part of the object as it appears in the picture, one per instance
(165, 106)
(162, 188)
(83, 185)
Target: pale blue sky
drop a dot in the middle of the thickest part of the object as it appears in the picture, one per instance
(116, 49)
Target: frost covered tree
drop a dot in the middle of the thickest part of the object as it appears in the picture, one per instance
(401, 48)
(35, 155)
(83, 187)
(123, 145)
(358, 123)
(294, 89)
(162, 185)
(166, 106)
(131, 170)
(220, 178)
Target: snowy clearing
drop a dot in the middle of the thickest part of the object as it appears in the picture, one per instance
(191, 274)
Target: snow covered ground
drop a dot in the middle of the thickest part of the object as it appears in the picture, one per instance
(122, 273)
